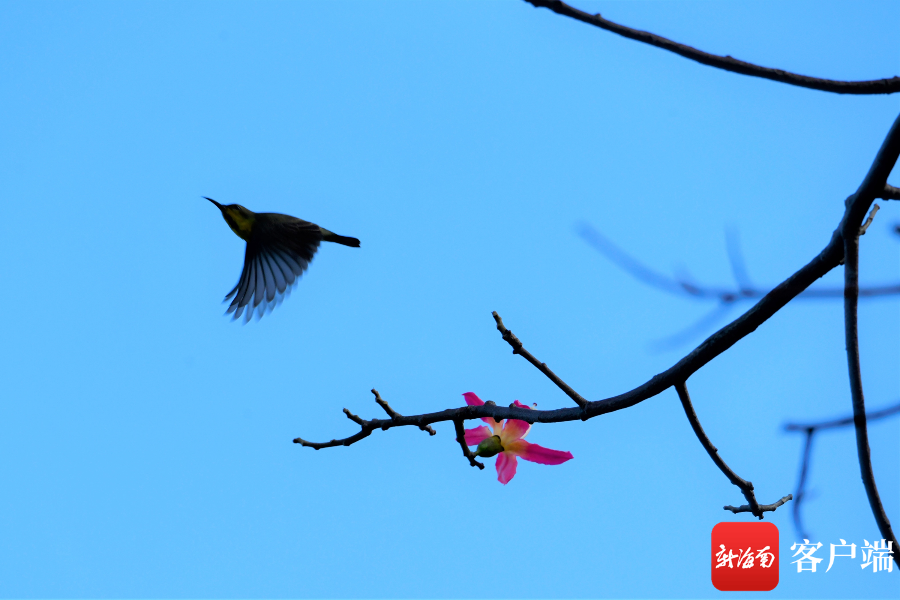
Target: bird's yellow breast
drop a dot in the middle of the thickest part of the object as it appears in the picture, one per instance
(241, 224)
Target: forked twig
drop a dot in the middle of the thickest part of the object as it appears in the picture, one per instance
(761, 507)
(365, 427)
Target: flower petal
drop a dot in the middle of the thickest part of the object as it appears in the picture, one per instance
(476, 435)
(513, 430)
(538, 454)
(506, 467)
(473, 400)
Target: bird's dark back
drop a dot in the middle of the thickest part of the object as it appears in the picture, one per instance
(279, 225)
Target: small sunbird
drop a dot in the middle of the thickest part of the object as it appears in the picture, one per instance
(279, 249)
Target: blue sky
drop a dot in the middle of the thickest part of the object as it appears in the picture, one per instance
(145, 439)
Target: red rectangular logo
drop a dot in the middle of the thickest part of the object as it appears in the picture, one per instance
(745, 557)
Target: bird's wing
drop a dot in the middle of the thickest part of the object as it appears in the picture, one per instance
(273, 262)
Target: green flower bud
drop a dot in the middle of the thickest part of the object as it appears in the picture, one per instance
(489, 447)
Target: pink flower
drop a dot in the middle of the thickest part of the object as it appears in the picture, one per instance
(507, 440)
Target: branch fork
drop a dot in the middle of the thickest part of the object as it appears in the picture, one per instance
(394, 415)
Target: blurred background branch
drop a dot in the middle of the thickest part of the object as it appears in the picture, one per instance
(725, 297)
(809, 430)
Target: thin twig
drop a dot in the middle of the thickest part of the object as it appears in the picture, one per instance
(870, 188)
(461, 438)
(727, 63)
(865, 226)
(393, 414)
(365, 430)
(359, 421)
(745, 486)
(762, 507)
(519, 349)
(890, 193)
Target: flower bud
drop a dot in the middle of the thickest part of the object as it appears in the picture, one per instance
(489, 447)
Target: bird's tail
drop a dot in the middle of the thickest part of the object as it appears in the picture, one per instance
(328, 236)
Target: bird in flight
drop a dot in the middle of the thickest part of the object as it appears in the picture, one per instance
(279, 249)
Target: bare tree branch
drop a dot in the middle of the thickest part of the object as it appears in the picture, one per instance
(716, 344)
(890, 193)
(366, 427)
(727, 63)
(858, 205)
(745, 486)
(519, 349)
(844, 242)
(851, 274)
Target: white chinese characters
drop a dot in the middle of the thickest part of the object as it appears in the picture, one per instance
(806, 551)
(878, 555)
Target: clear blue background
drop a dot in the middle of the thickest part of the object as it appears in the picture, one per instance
(145, 440)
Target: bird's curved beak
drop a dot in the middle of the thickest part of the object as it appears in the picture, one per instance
(220, 207)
